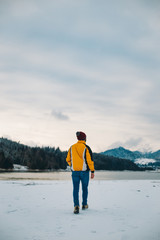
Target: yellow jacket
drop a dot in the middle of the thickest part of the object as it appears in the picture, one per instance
(79, 157)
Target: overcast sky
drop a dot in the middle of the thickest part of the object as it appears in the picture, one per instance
(69, 65)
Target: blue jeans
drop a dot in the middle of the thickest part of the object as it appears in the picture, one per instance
(78, 176)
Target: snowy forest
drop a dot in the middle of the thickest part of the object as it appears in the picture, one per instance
(50, 158)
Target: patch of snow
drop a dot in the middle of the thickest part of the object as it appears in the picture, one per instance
(18, 167)
(144, 161)
(68, 169)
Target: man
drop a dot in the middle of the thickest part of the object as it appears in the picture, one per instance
(80, 160)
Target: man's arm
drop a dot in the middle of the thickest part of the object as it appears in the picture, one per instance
(68, 158)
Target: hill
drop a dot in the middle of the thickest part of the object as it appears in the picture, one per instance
(123, 153)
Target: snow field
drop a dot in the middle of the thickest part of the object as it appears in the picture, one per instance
(118, 210)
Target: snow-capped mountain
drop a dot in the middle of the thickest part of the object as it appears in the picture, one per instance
(123, 153)
(149, 158)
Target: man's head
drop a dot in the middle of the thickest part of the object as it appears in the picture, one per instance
(81, 136)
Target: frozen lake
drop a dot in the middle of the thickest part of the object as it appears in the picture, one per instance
(99, 175)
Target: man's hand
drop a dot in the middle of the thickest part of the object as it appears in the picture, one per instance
(92, 175)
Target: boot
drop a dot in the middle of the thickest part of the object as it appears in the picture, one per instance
(76, 209)
(84, 207)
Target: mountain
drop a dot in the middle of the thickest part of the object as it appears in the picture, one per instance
(156, 155)
(134, 155)
(123, 153)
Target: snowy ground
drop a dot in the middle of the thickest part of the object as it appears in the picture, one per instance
(43, 210)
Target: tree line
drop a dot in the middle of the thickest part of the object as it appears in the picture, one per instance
(51, 158)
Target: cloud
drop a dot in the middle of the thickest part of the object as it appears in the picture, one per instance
(133, 144)
(99, 63)
(59, 115)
